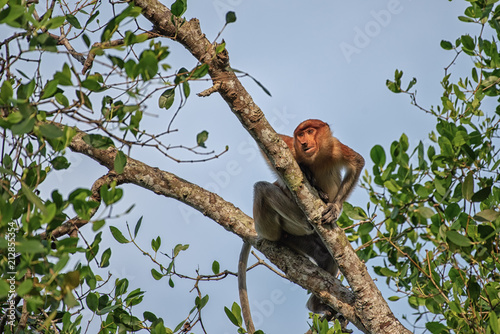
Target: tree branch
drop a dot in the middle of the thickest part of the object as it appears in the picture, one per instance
(371, 307)
(72, 225)
(298, 268)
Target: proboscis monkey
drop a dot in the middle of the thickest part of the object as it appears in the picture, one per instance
(277, 216)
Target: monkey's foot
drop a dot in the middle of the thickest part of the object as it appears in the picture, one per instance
(331, 213)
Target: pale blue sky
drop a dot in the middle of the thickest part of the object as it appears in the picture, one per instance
(319, 59)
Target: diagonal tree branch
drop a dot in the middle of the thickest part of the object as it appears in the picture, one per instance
(371, 307)
(71, 226)
(298, 268)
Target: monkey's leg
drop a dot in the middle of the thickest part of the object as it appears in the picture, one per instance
(274, 212)
(313, 247)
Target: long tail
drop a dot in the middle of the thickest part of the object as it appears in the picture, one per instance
(242, 287)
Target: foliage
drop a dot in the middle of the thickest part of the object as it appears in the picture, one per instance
(441, 198)
(47, 90)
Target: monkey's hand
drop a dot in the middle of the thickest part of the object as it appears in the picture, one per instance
(331, 213)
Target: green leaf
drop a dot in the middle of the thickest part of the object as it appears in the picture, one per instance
(30, 247)
(50, 89)
(83, 99)
(230, 17)
(55, 22)
(11, 13)
(96, 226)
(200, 71)
(91, 84)
(433, 306)
(201, 302)
(117, 234)
(377, 154)
(108, 309)
(51, 131)
(220, 47)
(178, 248)
(231, 317)
(120, 162)
(465, 19)
(72, 279)
(137, 227)
(236, 310)
(6, 92)
(98, 141)
(24, 287)
(149, 316)
(452, 211)
(393, 86)
(179, 7)
(481, 195)
(26, 90)
(166, 98)
(73, 21)
(110, 194)
(201, 138)
(62, 99)
(446, 147)
(156, 243)
(105, 258)
(92, 301)
(60, 163)
(186, 89)
(354, 212)
(412, 83)
(446, 45)
(487, 215)
(24, 127)
(216, 267)
(425, 212)
(436, 327)
(458, 239)
(86, 39)
(30, 195)
(494, 323)
(468, 42)
(365, 229)
(148, 65)
(473, 288)
(156, 275)
(387, 272)
(392, 186)
(468, 186)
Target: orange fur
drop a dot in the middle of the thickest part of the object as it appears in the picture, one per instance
(325, 156)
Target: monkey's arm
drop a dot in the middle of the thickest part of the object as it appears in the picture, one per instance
(353, 163)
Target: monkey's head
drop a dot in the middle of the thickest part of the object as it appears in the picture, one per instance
(310, 138)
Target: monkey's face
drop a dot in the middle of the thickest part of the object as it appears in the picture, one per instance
(305, 142)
